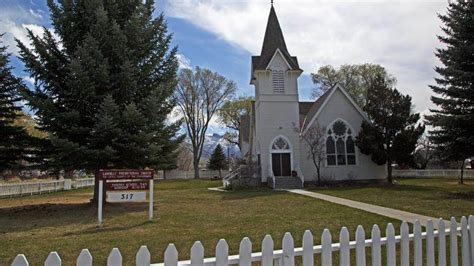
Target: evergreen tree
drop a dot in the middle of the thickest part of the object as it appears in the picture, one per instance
(14, 140)
(218, 161)
(453, 122)
(392, 133)
(104, 88)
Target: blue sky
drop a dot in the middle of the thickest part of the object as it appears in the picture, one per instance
(222, 35)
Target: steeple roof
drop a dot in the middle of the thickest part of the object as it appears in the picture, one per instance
(272, 41)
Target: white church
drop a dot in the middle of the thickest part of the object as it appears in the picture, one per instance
(268, 133)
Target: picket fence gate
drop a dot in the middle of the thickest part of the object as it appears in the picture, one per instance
(286, 256)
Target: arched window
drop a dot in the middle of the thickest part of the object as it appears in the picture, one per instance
(340, 147)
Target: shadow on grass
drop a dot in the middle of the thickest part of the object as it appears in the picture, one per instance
(31, 217)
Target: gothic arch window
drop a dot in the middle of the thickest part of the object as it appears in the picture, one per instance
(340, 145)
(280, 144)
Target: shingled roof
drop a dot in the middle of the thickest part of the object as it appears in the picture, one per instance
(272, 41)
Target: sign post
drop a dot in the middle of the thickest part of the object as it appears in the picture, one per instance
(125, 186)
(150, 201)
(101, 196)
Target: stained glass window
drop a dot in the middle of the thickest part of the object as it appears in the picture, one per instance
(340, 145)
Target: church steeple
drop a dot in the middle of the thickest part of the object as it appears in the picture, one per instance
(272, 41)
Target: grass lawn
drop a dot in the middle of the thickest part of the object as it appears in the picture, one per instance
(185, 212)
(433, 197)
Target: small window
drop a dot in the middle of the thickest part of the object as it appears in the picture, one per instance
(278, 80)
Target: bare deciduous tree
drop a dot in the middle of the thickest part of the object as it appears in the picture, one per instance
(425, 152)
(314, 137)
(199, 95)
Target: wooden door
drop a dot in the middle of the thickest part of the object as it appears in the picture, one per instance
(281, 164)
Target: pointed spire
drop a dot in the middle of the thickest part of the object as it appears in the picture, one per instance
(272, 41)
(273, 35)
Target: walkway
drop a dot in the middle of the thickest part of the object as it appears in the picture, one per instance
(384, 211)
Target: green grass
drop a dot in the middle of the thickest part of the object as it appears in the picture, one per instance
(439, 198)
(185, 211)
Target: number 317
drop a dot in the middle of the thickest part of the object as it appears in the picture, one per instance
(127, 196)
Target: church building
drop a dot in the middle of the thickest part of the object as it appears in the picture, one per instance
(269, 134)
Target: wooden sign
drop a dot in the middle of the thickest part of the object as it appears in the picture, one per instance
(127, 185)
(126, 174)
(124, 185)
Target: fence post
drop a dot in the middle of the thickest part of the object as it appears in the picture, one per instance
(171, 256)
(471, 236)
(20, 260)
(466, 257)
(267, 251)
(115, 258)
(418, 250)
(391, 252)
(53, 259)
(441, 243)
(84, 258)
(245, 252)
(288, 246)
(344, 251)
(222, 253)
(404, 245)
(308, 242)
(143, 257)
(430, 255)
(360, 246)
(453, 245)
(376, 252)
(197, 254)
(326, 253)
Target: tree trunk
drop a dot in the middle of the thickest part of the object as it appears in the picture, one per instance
(164, 174)
(196, 169)
(95, 198)
(461, 181)
(389, 172)
(319, 175)
(220, 174)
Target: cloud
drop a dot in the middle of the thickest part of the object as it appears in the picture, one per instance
(400, 35)
(14, 22)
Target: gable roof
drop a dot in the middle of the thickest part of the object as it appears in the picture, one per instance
(322, 101)
(272, 41)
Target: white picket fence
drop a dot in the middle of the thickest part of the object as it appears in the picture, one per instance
(428, 173)
(410, 245)
(30, 188)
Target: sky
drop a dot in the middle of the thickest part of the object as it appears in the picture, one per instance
(222, 35)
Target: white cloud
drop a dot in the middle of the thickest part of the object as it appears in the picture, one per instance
(14, 22)
(400, 35)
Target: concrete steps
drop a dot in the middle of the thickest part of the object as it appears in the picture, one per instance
(287, 182)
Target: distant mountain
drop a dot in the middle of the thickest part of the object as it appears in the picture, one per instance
(211, 142)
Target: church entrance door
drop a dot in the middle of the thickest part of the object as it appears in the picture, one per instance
(281, 164)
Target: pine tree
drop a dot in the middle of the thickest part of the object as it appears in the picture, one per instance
(104, 88)
(14, 140)
(218, 161)
(453, 122)
(392, 134)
